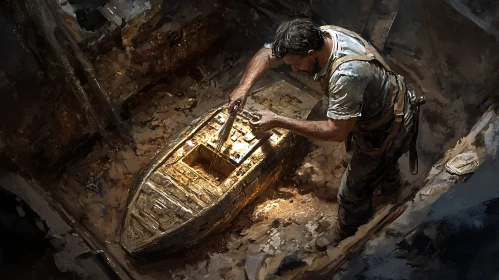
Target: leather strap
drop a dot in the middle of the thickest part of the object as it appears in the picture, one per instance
(397, 98)
(388, 141)
(371, 55)
(383, 119)
(398, 111)
(413, 150)
(368, 47)
(347, 58)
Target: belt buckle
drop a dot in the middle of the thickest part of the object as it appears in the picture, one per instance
(416, 100)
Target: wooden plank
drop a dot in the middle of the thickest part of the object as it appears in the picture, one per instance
(380, 22)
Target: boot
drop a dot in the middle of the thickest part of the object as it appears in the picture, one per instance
(332, 237)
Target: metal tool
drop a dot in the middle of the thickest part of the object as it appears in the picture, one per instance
(224, 132)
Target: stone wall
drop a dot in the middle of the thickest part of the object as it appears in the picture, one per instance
(157, 41)
(40, 120)
(452, 60)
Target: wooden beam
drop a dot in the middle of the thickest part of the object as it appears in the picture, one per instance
(88, 69)
(379, 23)
(47, 24)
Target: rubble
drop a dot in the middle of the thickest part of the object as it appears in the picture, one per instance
(239, 274)
(288, 263)
(253, 266)
(20, 211)
(463, 163)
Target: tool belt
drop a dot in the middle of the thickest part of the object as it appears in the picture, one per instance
(398, 98)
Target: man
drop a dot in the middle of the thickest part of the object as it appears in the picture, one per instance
(366, 100)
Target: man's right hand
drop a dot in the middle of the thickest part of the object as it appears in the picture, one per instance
(258, 65)
(238, 93)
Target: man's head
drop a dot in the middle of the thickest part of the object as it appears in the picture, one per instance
(297, 42)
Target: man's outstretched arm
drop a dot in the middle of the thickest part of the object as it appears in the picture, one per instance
(328, 130)
(261, 62)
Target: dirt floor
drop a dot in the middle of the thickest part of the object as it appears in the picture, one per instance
(280, 224)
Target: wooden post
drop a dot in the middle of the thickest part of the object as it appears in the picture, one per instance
(47, 23)
(379, 23)
(89, 71)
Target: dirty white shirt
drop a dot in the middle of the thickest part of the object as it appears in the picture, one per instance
(357, 89)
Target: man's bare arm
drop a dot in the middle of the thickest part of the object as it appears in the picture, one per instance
(261, 62)
(329, 130)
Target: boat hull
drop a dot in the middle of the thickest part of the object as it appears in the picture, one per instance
(190, 189)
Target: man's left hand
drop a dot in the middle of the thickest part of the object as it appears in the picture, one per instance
(266, 120)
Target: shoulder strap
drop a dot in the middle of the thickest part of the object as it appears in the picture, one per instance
(397, 98)
(348, 58)
(337, 63)
(371, 52)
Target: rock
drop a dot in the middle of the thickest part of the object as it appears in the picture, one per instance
(289, 263)
(152, 125)
(114, 172)
(188, 105)
(131, 29)
(274, 263)
(241, 263)
(276, 224)
(288, 222)
(20, 211)
(323, 226)
(40, 226)
(463, 163)
(309, 260)
(253, 266)
(239, 274)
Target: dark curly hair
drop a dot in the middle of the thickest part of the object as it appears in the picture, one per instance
(297, 36)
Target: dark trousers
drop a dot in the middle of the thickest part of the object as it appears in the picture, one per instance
(365, 173)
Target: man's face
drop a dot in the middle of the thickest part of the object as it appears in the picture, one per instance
(307, 63)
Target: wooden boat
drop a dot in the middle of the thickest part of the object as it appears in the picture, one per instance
(190, 190)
